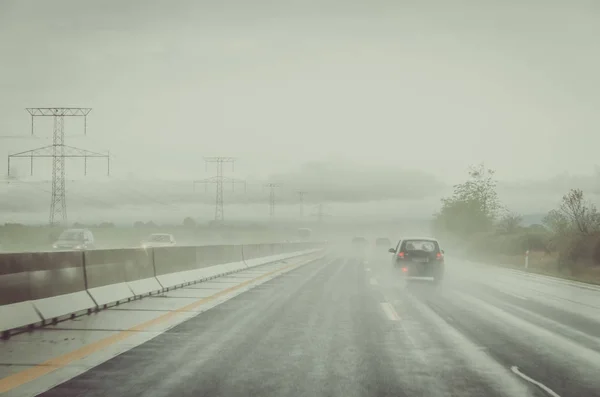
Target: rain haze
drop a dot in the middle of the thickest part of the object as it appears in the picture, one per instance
(361, 87)
(299, 198)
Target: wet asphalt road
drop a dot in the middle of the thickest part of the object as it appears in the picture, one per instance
(346, 328)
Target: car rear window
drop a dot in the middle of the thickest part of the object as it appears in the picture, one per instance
(420, 245)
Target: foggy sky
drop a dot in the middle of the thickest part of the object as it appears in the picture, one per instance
(410, 85)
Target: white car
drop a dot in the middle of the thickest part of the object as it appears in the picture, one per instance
(159, 240)
(74, 239)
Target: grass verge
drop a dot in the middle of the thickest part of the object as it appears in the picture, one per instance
(544, 264)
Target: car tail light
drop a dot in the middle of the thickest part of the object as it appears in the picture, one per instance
(401, 255)
(439, 255)
(404, 269)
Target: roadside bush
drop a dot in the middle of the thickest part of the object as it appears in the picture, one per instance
(473, 219)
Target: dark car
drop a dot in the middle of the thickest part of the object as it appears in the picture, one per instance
(383, 242)
(419, 258)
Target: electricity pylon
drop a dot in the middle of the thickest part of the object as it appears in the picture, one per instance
(219, 179)
(58, 152)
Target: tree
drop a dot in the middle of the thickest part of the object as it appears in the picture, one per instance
(473, 206)
(480, 188)
(556, 222)
(509, 223)
(462, 218)
(189, 222)
(582, 215)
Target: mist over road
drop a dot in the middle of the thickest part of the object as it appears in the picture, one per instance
(344, 327)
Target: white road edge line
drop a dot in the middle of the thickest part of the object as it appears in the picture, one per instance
(389, 311)
(545, 388)
(514, 295)
(374, 281)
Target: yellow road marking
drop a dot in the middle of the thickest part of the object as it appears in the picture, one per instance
(20, 378)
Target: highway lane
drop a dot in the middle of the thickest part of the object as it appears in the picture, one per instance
(348, 328)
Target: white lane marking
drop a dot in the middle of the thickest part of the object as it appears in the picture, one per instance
(550, 279)
(374, 281)
(419, 278)
(545, 388)
(514, 295)
(389, 311)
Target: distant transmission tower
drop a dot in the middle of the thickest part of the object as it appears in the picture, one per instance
(301, 197)
(219, 179)
(58, 151)
(272, 187)
(320, 212)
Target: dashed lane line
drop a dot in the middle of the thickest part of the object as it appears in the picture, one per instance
(389, 311)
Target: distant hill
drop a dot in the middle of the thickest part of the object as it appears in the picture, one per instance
(531, 219)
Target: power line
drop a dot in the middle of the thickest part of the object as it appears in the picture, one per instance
(58, 151)
(272, 187)
(219, 179)
(320, 212)
(301, 197)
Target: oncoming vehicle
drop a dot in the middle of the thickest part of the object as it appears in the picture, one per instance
(360, 242)
(304, 233)
(159, 240)
(383, 242)
(419, 258)
(74, 239)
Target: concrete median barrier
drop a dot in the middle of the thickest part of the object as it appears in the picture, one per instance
(47, 286)
(106, 274)
(220, 259)
(262, 254)
(174, 265)
(57, 284)
(140, 273)
(269, 253)
(17, 315)
(120, 274)
(251, 251)
(14, 278)
(16, 309)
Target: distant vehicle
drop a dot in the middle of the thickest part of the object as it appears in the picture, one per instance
(359, 242)
(383, 242)
(419, 258)
(74, 239)
(359, 247)
(304, 233)
(159, 240)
